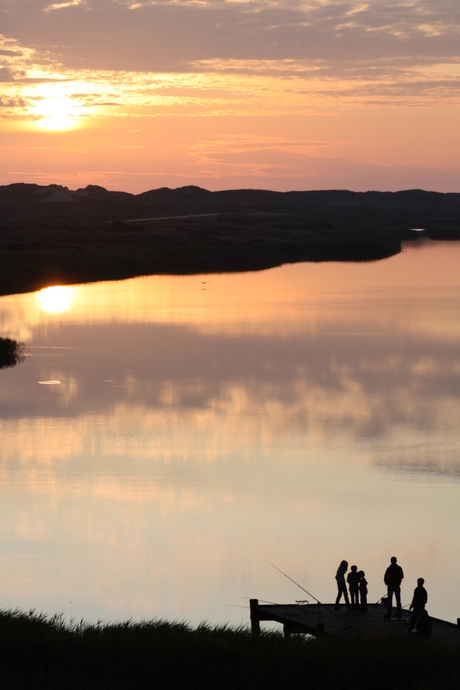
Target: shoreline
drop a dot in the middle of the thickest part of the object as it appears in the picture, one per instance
(53, 236)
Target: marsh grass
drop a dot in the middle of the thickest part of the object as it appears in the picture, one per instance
(11, 352)
(41, 652)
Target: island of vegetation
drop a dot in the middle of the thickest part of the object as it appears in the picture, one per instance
(51, 235)
(11, 352)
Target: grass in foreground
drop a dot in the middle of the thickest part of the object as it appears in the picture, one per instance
(41, 652)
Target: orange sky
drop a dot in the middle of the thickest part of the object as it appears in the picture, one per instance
(137, 95)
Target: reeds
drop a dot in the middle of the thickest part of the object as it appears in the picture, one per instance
(44, 652)
(11, 352)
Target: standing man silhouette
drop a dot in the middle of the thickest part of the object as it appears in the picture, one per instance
(393, 577)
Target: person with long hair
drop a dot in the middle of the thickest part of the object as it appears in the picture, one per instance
(341, 585)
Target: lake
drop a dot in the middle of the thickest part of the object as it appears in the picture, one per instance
(169, 438)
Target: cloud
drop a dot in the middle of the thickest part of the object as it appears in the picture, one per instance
(6, 74)
(364, 52)
(162, 36)
(63, 5)
(12, 103)
(10, 53)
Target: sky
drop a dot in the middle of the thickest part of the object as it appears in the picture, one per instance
(226, 94)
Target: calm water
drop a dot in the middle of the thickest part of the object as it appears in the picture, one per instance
(167, 436)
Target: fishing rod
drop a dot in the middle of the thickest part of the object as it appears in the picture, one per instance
(313, 597)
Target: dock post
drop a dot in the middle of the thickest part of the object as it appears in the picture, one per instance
(255, 620)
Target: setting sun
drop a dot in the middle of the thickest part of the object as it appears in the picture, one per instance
(57, 114)
(55, 109)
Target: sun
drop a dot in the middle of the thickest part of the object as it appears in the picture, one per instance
(55, 109)
(57, 113)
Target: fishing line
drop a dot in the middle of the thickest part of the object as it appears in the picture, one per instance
(238, 606)
(262, 601)
(313, 597)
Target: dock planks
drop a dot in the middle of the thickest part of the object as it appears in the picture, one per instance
(322, 619)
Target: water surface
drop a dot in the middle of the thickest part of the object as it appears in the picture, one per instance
(167, 436)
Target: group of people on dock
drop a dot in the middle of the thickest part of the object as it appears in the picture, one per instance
(357, 586)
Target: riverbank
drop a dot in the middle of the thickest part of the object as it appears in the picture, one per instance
(52, 235)
(37, 652)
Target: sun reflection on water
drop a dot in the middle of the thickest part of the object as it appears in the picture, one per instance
(56, 299)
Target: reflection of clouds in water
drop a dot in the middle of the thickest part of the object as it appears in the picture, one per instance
(427, 454)
(320, 375)
(170, 421)
(371, 383)
(187, 453)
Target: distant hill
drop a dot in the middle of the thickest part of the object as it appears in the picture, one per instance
(50, 234)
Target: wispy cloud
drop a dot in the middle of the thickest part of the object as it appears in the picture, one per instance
(165, 36)
(229, 87)
(63, 5)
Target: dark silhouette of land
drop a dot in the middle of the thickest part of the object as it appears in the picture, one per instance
(51, 235)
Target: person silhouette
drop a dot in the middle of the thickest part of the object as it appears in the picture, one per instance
(392, 578)
(362, 586)
(424, 625)
(341, 585)
(353, 580)
(418, 604)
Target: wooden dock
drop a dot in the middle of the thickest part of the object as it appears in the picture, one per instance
(323, 619)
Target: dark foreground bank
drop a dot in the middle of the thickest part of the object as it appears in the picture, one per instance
(52, 235)
(36, 652)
